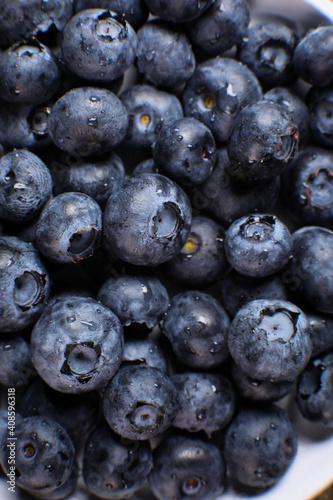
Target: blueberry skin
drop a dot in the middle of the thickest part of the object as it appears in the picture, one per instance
(311, 267)
(218, 89)
(223, 25)
(59, 492)
(307, 187)
(312, 57)
(140, 402)
(98, 45)
(88, 121)
(145, 351)
(136, 12)
(37, 18)
(16, 368)
(164, 55)
(322, 332)
(270, 340)
(69, 228)
(77, 413)
(77, 345)
(263, 140)
(320, 105)
(25, 284)
(148, 220)
(294, 105)
(259, 390)
(45, 454)
(260, 445)
(237, 290)
(98, 177)
(196, 467)
(258, 245)
(25, 186)
(315, 390)
(29, 73)
(185, 151)
(145, 167)
(149, 110)
(115, 468)
(178, 12)
(268, 51)
(197, 327)
(207, 402)
(201, 261)
(136, 300)
(228, 194)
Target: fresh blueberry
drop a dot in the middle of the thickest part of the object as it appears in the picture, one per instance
(322, 332)
(88, 121)
(260, 445)
(69, 227)
(98, 45)
(77, 345)
(315, 390)
(149, 110)
(320, 105)
(78, 413)
(113, 467)
(148, 220)
(197, 327)
(25, 186)
(140, 402)
(270, 340)
(25, 284)
(258, 245)
(165, 55)
(218, 89)
(135, 11)
(16, 369)
(185, 151)
(138, 301)
(145, 351)
(187, 467)
(145, 167)
(237, 290)
(307, 187)
(223, 25)
(207, 402)
(202, 259)
(310, 271)
(263, 140)
(98, 177)
(176, 11)
(44, 454)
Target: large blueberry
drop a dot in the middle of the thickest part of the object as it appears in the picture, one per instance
(136, 11)
(16, 369)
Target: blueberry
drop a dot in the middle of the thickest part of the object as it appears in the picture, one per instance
(145, 351)
(185, 151)
(307, 187)
(69, 227)
(25, 186)
(16, 369)
(218, 89)
(148, 220)
(59, 492)
(88, 121)
(263, 140)
(44, 454)
(114, 467)
(312, 56)
(178, 11)
(136, 11)
(202, 259)
(140, 402)
(149, 110)
(77, 345)
(322, 336)
(315, 390)
(78, 413)
(165, 55)
(25, 284)
(260, 445)
(207, 402)
(138, 301)
(98, 45)
(145, 167)
(270, 340)
(197, 327)
(223, 25)
(310, 271)
(320, 105)
(187, 467)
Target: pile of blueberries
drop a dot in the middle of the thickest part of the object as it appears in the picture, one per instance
(166, 245)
